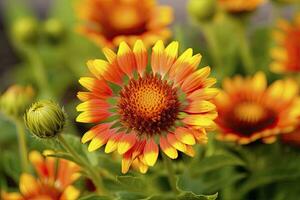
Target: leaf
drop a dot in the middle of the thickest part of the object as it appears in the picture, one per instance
(193, 196)
(215, 162)
(95, 197)
(132, 183)
(130, 196)
(269, 176)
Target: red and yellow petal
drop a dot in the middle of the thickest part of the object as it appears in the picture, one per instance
(185, 136)
(157, 55)
(126, 59)
(167, 148)
(141, 56)
(151, 152)
(195, 80)
(126, 142)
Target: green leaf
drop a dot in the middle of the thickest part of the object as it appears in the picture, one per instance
(268, 176)
(193, 196)
(95, 197)
(215, 162)
(132, 183)
(130, 196)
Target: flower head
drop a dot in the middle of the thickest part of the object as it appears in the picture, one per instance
(286, 55)
(138, 106)
(112, 21)
(15, 100)
(54, 180)
(239, 6)
(45, 119)
(249, 110)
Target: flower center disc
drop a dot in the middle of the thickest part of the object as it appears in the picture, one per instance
(148, 105)
(250, 112)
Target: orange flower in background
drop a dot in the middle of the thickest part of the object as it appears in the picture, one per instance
(139, 108)
(55, 177)
(286, 55)
(108, 22)
(249, 110)
(237, 6)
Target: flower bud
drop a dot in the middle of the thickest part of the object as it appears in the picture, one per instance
(45, 119)
(25, 30)
(202, 10)
(54, 30)
(15, 100)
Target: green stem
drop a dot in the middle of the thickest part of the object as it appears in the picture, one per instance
(245, 51)
(171, 174)
(213, 46)
(22, 145)
(94, 176)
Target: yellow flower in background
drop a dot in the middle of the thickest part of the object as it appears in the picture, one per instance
(139, 107)
(108, 22)
(249, 110)
(54, 180)
(286, 54)
(238, 6)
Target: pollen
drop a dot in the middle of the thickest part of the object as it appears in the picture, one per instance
(148, 105)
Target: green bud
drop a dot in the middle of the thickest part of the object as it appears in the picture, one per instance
(15, 100)
(25, 30)
(202, 10)
(54, 30)
(45, 119)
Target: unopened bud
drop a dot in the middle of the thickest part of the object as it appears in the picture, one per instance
(25, 30)
(202, 10)
(15, 100)
(54, 30)
(45, 119)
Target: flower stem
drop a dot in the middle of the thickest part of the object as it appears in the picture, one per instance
(245, 51)
(22, 145)
(94, 176)
(171, 174)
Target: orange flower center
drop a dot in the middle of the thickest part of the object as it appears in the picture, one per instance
(250, 112)
(124, 17)
(148, 105)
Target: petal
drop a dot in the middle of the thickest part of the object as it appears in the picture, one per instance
(161, 16)
(187, 68)
(195, 80)
(182, 60)
(94, 104)
(168, 149)
(259, 82)
(200, 107)
(169, 57)
(126, 142)
(205, 93)
(92, 116)
(199, 121)
(185, 136)
(89, 135)
(109, 54)
(176, 143)
(190, 151)
(157, 55)
(99, 87)
(112, 143)
(141, 56)
(126, 59)
(70, 193)
(28, 185)
(150, 152)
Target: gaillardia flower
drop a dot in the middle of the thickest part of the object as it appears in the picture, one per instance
(139, 106)
(111, 21)
(54, 180)
(239, 6)
(286, 55)
(249, 110)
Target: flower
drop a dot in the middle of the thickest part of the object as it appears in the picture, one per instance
(292, 138)
(14, 101)
(54, 179)
(286, 54)
(249, 110)
(138, 107)
(45, 119)
(111, 21)
(238, 6)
